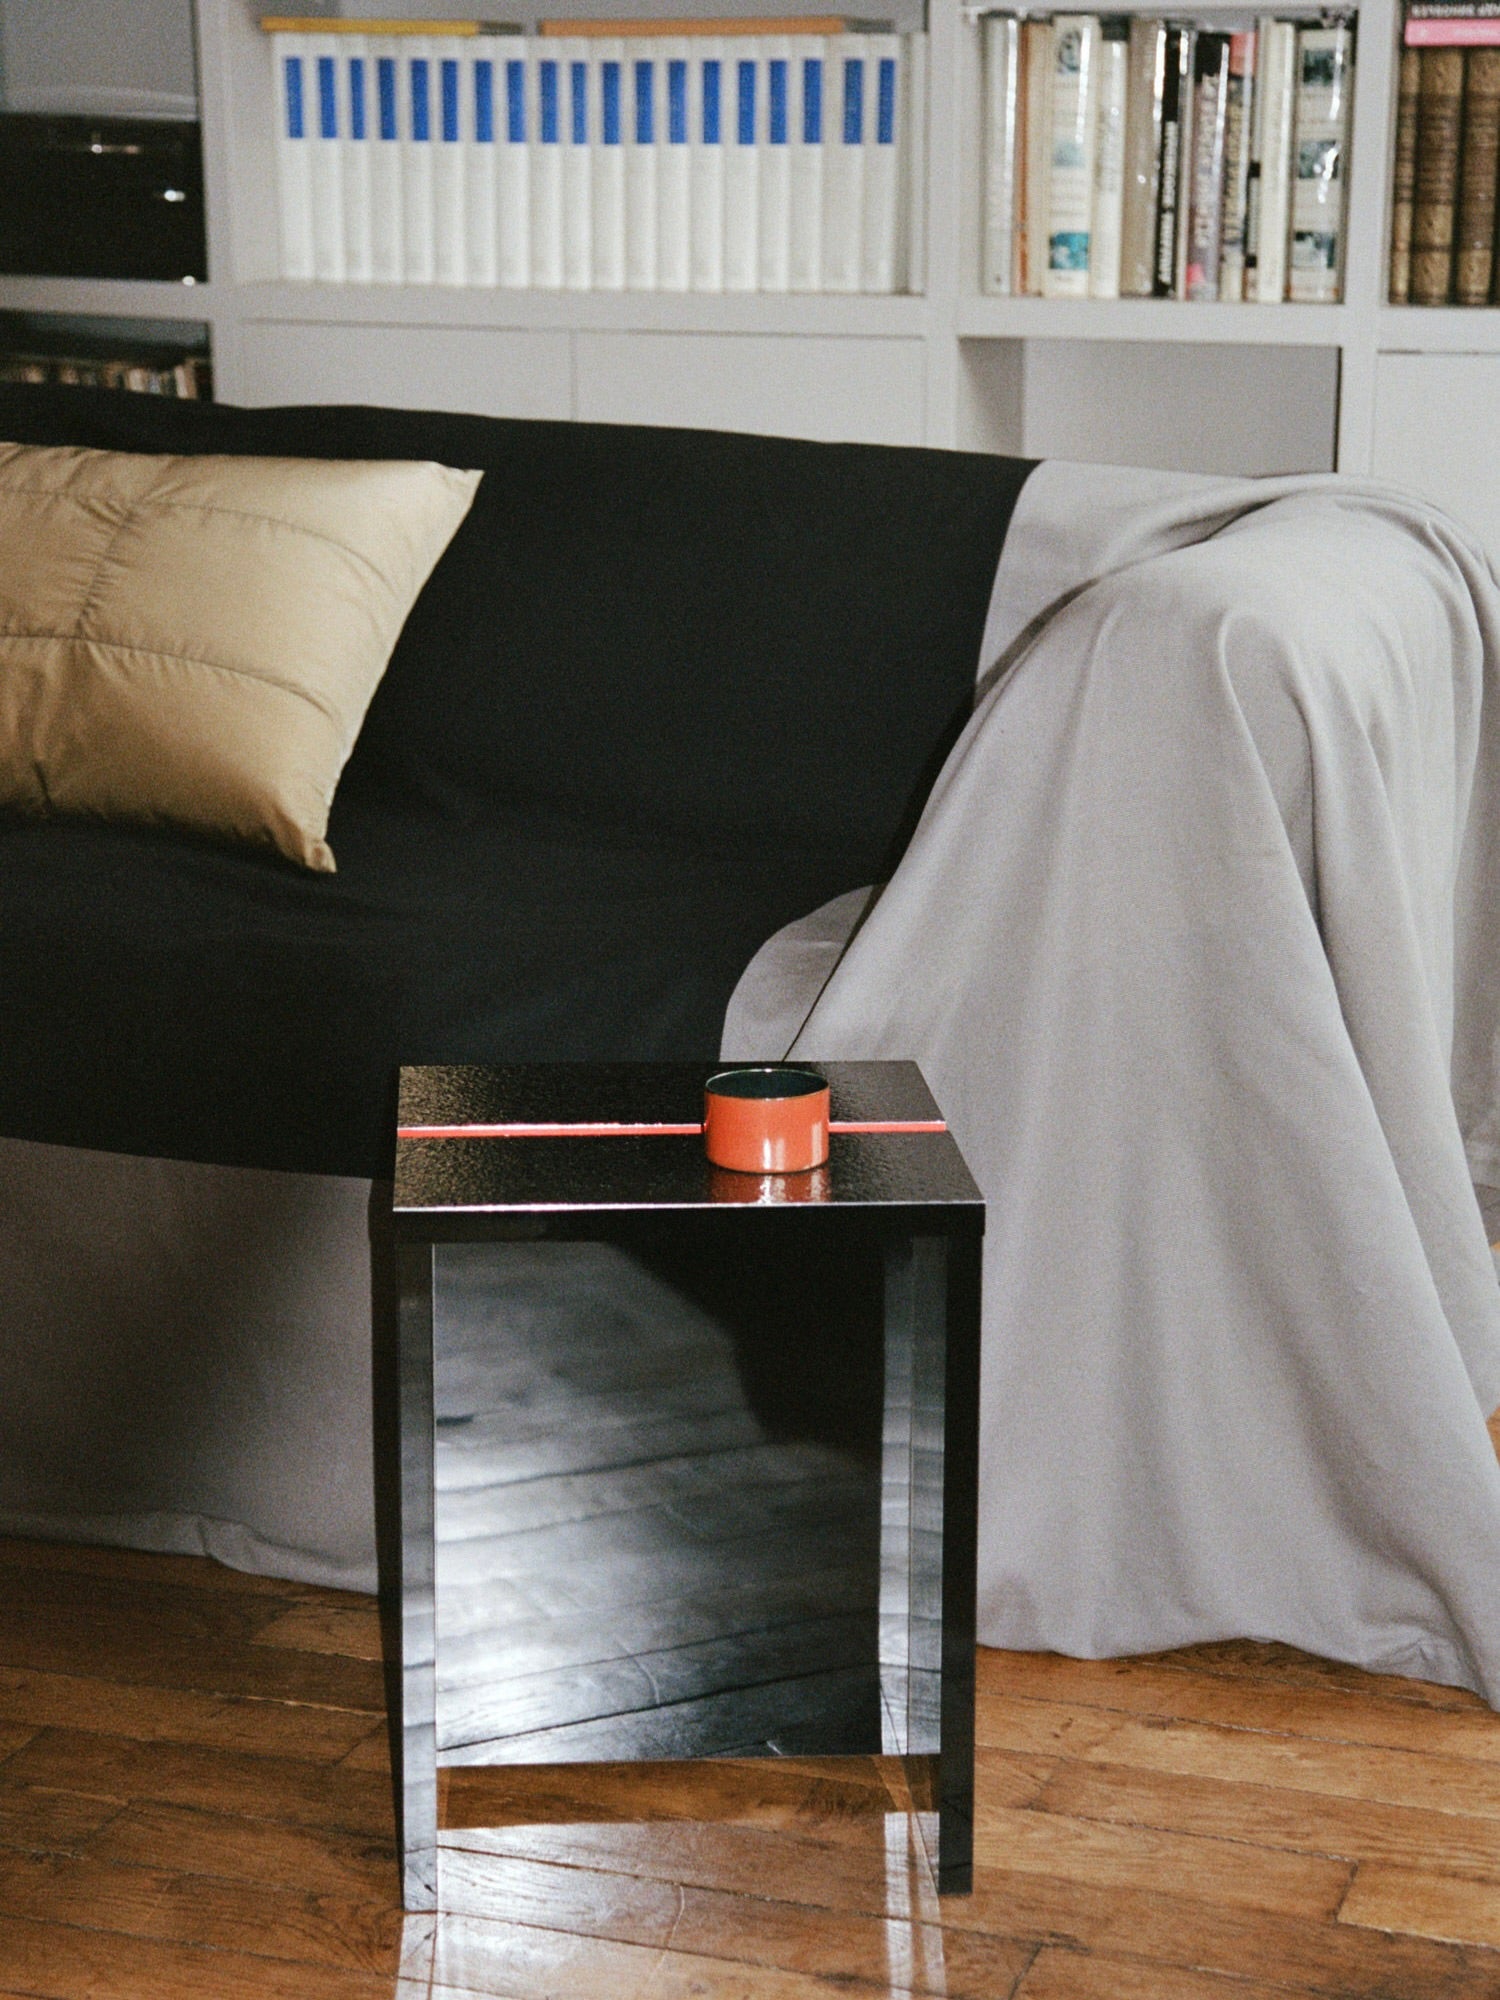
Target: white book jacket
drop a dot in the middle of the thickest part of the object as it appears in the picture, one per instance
(844, 119)
(544, 133)
(608, 140)
(387, 228)
(674, 165)
(356, 124)
(708, 107)
(294, 113)
(744, 86)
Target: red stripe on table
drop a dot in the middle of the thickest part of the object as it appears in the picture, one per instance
(642, 1131)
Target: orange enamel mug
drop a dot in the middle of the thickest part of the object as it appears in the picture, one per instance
(766, 1118)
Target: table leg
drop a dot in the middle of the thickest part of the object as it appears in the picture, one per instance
(416, 1740)
(952, 1303)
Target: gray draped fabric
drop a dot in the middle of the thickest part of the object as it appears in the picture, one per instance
(1196, 943)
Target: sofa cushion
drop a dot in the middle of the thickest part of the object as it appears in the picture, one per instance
(193, 641)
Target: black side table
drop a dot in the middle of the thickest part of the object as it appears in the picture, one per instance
(589, 1154)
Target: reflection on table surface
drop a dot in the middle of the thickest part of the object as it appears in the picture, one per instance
(658, 1509)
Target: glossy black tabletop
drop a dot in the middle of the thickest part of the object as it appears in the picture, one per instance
(442, 1170)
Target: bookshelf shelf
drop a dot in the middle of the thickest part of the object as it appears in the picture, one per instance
(110, 298)
(1439, 330)
(856, 316)
(1158, 321)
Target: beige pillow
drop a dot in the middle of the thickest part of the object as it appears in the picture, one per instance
(193, 642)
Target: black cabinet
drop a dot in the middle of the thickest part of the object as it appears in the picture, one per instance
(101, 197)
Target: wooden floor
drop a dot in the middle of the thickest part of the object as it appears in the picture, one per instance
(193, 1801)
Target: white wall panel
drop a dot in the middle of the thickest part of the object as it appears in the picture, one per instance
(493, 373)
(867, 391)
(99, 58)
(1182, 408)
(1437, 430)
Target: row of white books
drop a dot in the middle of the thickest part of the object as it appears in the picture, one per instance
(1146, 158)
(753, 163)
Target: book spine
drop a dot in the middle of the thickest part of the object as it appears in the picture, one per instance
(880, 227)
(1002, 48)
(674, 170)
(387, 224)
(775, 166)
(577, 166)
(1474, 234)
(706, 210)
(1037, 45)
(843, 164)
(1143, 100)
(449, 171)
(1325, 74)
(805, 215)
(293, 155)
(1171, 176)
(1439, 121)
(1404, 176)
(608, 147)
(513, 178)
(546, 167)
(327, 192)
(1206, 209)
(355, 109)
(741, 166)
(1185, 168)
(1268, 206)
(1446, 10)
(1107, 221)
(642, 110)
(912, 267)
(1236, 164)
(481, 102)
(418, 260)
(1075, 110)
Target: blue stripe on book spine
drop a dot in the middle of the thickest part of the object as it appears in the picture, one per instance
(776, 87)
(448, 71)
(515, 102)
(484, 101)
(610, 84)
(677, 112)
(812, 101)
(645, 104)
(711, 101)
(551, 129)
(328, 98)
(385, 90)
(578, 76)
(745, 130)
(854, 101)
(296, 127)
(357, 129)
(421, 109)
(885, 115)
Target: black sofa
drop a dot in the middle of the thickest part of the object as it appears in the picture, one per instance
(665, 692)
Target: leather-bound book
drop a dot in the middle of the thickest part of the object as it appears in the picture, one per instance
(1404, 175)
(1439, 124)
(1474, 236)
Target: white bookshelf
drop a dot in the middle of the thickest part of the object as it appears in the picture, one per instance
(1206, 387)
